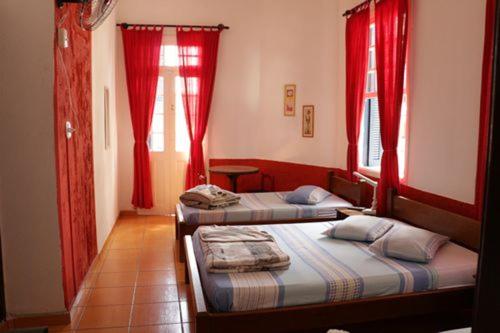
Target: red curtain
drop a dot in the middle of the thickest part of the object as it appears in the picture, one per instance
(391, 38)
(356, 35)
(484, 118)
(197, 65)
(142, 62)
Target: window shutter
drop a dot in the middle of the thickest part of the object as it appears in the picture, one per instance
(374, 144)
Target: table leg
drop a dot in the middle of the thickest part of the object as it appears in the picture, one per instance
(234, 182)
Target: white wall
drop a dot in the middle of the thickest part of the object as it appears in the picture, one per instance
(340, 140)
(445, 82)
(444, 75)
(28, 197)
(124, 131)
(105, 160)
(298, 44)
(270, 43)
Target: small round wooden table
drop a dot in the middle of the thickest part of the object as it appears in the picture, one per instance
(233, 172)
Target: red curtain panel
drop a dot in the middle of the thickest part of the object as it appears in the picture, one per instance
(142, 60)
(484, 118)
(391, 38)
(197, 66)
(356, 36)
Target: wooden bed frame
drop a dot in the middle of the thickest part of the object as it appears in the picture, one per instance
(347, 190)
(445, 308)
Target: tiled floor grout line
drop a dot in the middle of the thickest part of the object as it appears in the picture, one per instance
(137, 274)
(104, 257)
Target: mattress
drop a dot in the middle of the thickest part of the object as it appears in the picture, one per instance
(265, 206)
(325, 270)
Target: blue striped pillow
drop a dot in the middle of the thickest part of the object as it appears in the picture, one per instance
(360, 228)
(409, 243)
(307, 195)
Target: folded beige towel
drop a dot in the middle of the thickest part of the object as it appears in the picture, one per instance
(240, 249)
(233, 234)
(208, 197)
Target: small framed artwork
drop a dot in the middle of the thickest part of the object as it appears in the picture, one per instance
(107, 140)
(308, 121)
(290, 92)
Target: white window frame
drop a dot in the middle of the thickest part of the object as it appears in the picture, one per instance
(403, 142)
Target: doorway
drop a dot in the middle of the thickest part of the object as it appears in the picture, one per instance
(169, 140)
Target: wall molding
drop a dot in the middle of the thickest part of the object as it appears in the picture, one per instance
(37, 320)
(127, 213)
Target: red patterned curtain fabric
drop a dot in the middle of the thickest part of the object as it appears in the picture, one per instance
(142, 62)
(357, 31)
(484, 118)
(197, 66)
(391, 38)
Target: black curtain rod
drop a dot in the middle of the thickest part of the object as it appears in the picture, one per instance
(356, 8)
(219, 26)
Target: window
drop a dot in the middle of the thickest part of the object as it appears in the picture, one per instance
(156, 140)
(166, 111)
(370, 141)
(182, 143)
(169, 56)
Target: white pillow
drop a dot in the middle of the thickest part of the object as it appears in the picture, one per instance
(307, 195)
(360, 228)
(409, 243)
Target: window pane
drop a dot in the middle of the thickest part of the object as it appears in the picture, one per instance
(156, 142)
(371, 59)
(158, 124)
(182, 143)
(370, 141)
(374, 144)
(162, 55)
(371, 82)
(402, 137)
(372, 34)
(160, 99)
(169, 56)
(157, 134)
(192, 54)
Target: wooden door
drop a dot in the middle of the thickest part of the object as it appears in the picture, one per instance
(74, 158)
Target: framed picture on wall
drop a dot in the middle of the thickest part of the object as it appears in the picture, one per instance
(107, 140)
(308, 121)
(290, 94)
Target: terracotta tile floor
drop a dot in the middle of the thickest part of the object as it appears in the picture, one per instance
(136, 284)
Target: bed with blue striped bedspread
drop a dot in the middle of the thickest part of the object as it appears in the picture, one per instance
(325, 270)
(265, 206)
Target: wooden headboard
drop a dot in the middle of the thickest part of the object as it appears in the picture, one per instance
(345, 189)
(462, 230)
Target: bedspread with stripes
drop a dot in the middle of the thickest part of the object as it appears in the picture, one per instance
(322, 270)
(265, 206)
